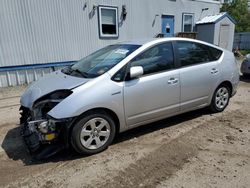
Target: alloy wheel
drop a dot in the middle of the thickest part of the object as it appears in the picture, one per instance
(95, 133)
(222, 97)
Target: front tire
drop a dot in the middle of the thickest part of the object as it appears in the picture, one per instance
(93, 133)
(220, 98)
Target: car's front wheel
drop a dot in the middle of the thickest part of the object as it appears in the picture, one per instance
(220, 98)
(93, 133)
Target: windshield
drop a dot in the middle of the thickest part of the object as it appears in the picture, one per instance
(100, 61)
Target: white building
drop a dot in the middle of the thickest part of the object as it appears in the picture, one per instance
(38, 36)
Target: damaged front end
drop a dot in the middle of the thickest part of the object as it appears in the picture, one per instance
(44, 135)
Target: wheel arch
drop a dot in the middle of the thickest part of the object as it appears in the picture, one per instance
(90, 111)
(212, 106)
(227, 83)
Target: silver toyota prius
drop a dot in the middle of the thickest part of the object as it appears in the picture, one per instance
(123, 86)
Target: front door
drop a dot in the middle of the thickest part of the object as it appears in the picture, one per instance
(167, 23)
(156, 93)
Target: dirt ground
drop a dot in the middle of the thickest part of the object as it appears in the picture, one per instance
(196, 149)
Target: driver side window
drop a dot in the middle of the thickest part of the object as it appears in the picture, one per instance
(156, 59)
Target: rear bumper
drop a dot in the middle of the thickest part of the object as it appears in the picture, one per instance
(234, 93)
(234, 87)
(235, 80)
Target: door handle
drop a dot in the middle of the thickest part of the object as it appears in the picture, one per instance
(172, 81)
(214, 71)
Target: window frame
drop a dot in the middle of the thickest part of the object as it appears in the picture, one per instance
(176, 58)
(183, 18)
(128, 65)
(178, 61)
(101, 34)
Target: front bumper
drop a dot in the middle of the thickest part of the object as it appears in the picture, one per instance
(31, 139)
(48, 139)
(34, 138)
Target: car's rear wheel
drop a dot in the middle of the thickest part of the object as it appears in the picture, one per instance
(93, 133)
(221, 98)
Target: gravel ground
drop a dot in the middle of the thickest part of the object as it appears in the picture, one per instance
(196, 149)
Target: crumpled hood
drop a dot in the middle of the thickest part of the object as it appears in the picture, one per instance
(47, 84)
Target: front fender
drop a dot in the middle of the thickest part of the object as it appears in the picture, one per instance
(101, 92)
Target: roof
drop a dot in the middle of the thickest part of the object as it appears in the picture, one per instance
(213, 19)
(152, 41)
(138, 41)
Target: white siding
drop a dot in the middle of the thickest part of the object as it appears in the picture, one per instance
(44, 31)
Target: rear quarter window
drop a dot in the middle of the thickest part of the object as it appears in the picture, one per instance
(192, 53)
(215, 53)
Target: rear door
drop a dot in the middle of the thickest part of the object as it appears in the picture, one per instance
(156, 93)
(199, 74)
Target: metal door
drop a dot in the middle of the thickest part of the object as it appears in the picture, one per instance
(167, 23)
(224, 36)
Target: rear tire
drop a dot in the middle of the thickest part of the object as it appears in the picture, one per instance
(93, 133)
(220, 98)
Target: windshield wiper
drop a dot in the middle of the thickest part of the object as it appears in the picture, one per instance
(66, 70)
(83, 74)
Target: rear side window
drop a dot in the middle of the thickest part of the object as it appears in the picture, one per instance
(156, 59)
(215, 53)
(191, 53)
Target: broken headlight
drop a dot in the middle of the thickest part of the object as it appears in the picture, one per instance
(44, 104)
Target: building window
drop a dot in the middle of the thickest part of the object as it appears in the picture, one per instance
(187, 22)
(108, 21)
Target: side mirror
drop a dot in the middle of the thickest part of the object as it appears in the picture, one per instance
(136, 71)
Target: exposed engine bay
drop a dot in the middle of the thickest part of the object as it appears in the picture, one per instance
(39, 129)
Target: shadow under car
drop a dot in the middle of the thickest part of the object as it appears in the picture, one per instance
(15, 147)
